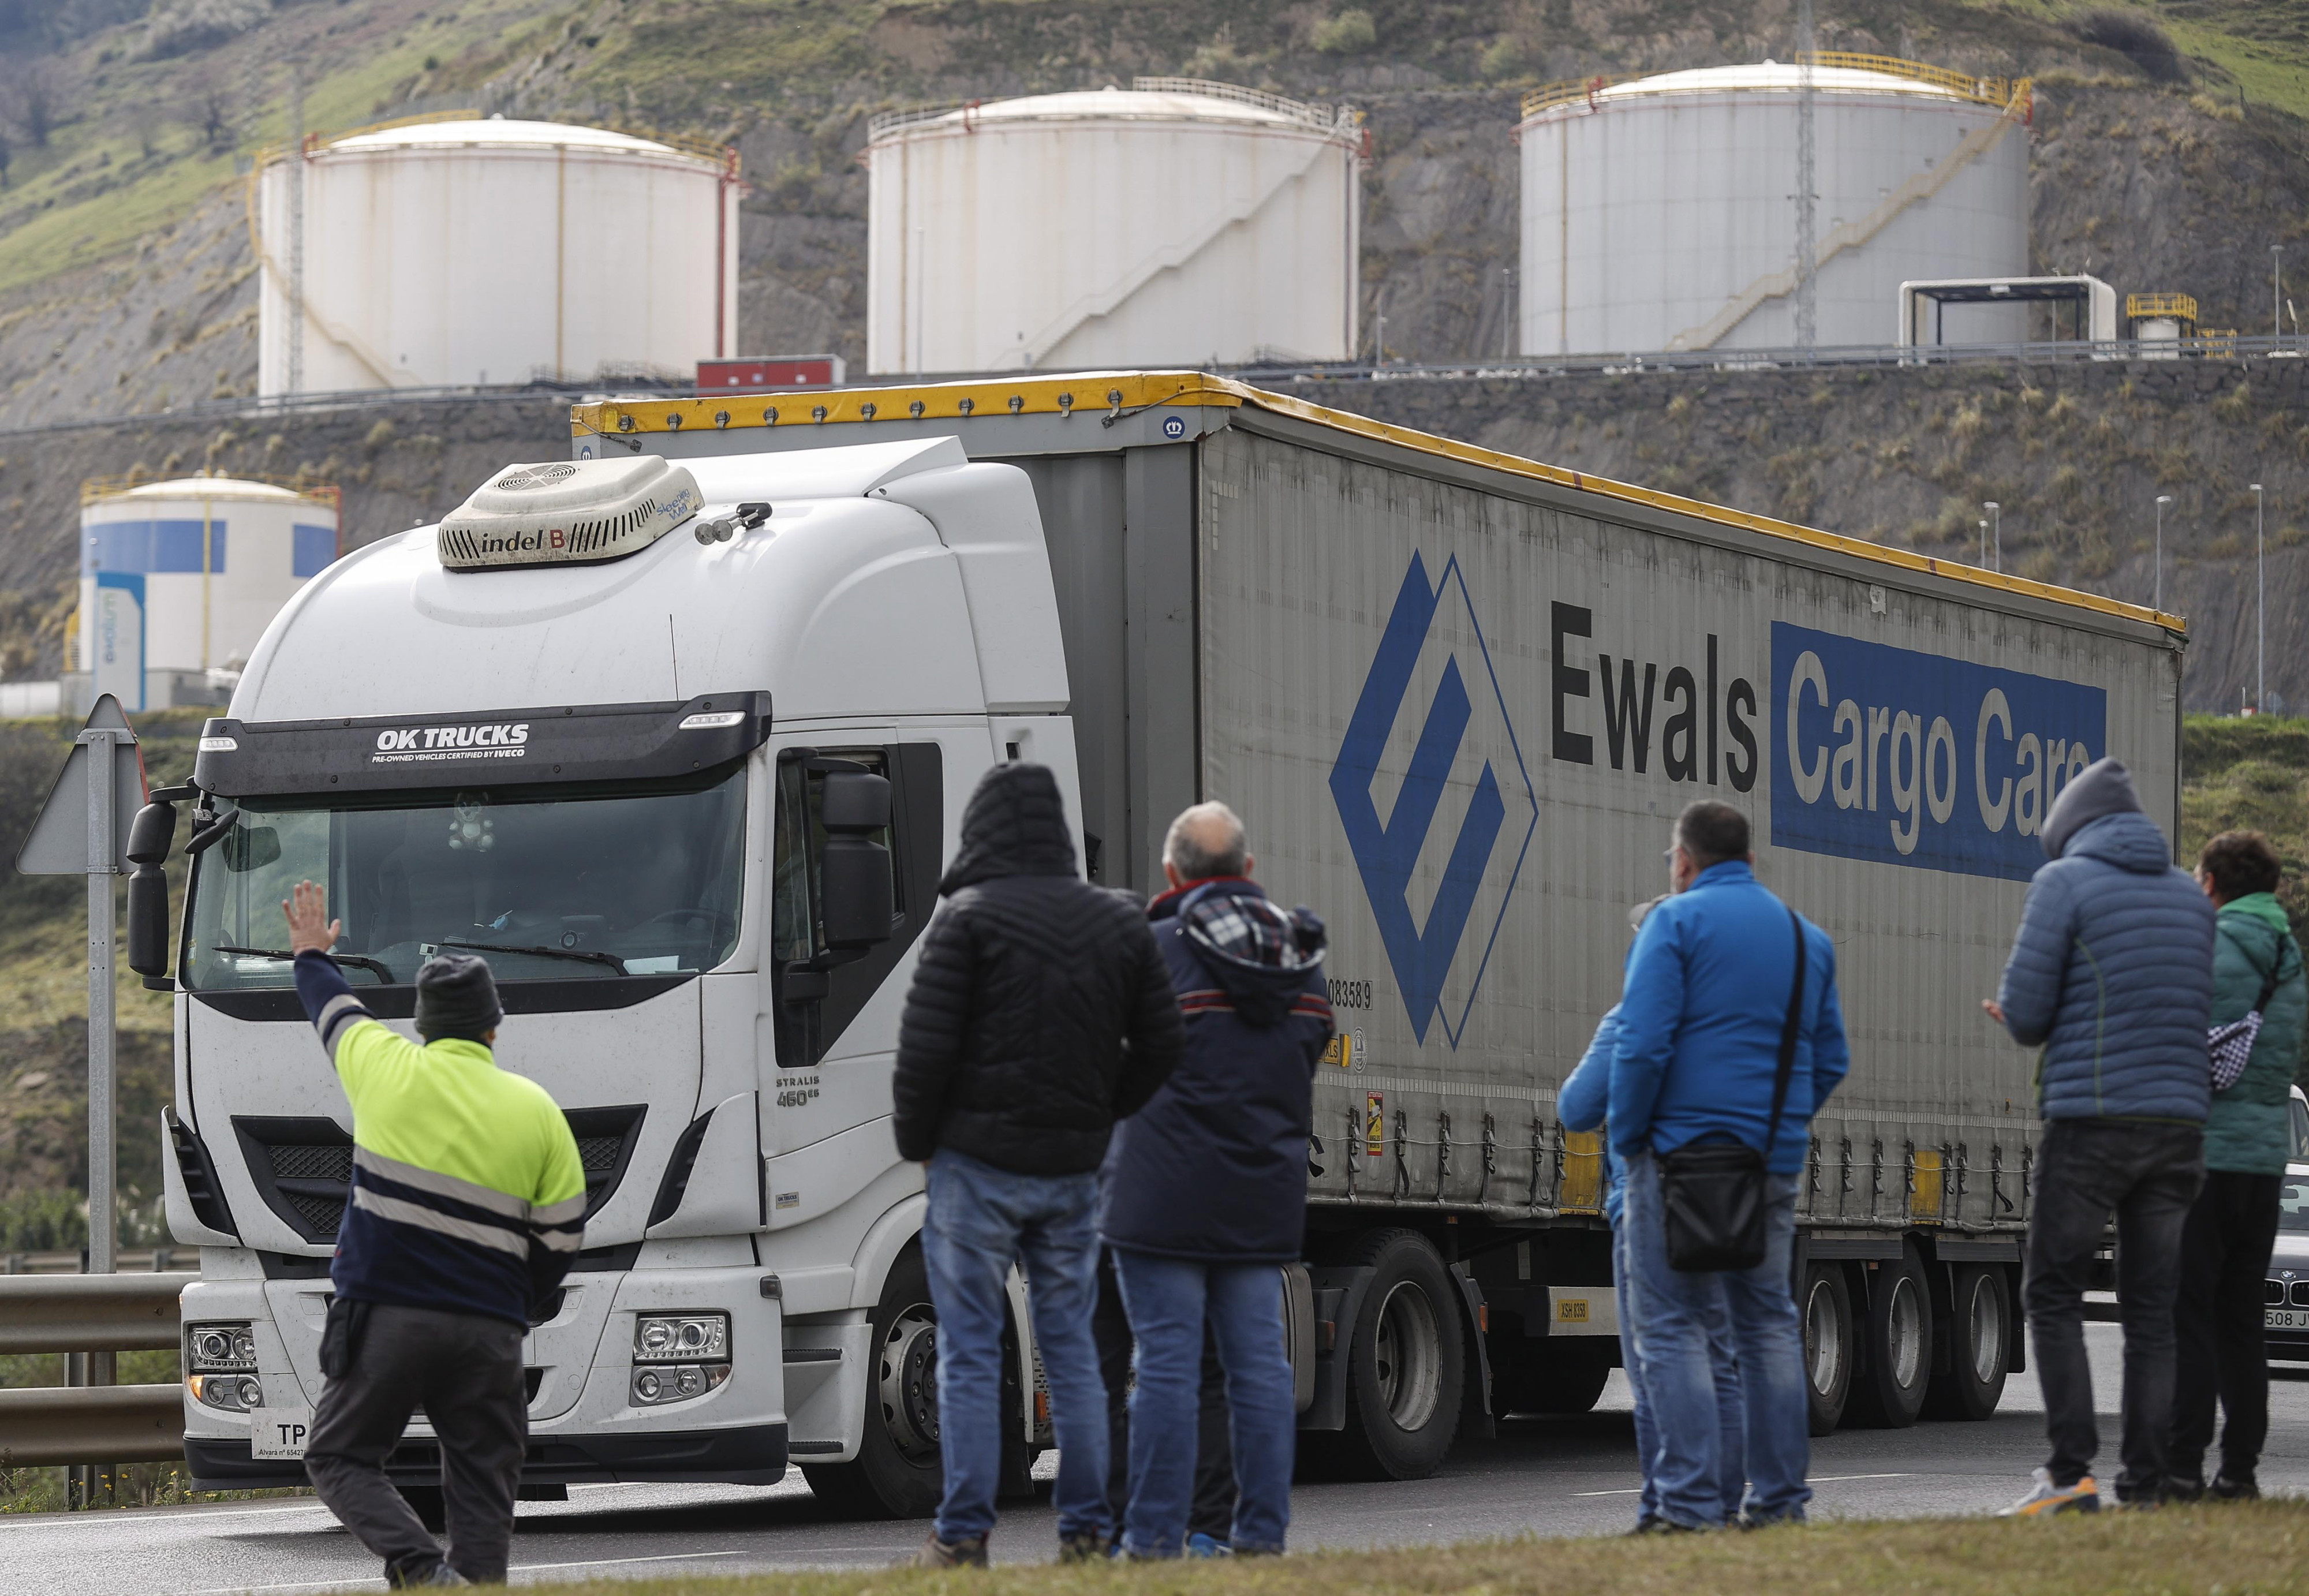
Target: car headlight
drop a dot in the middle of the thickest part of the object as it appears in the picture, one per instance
(681, 1338)
(218, 1348)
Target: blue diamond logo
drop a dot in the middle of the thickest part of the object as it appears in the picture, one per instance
(1431, 729)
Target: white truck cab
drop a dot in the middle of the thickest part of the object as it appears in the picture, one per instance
(678, 748)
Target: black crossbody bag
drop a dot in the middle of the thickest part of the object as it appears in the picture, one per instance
(1712, 1194)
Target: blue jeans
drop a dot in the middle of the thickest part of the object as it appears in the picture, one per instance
(1167, 1300)
(983, 1219)
(1680, 1367)
(1732, 1453)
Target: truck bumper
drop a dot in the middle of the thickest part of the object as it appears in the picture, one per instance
(752, 1454)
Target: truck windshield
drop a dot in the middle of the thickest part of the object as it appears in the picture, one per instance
(571, 886)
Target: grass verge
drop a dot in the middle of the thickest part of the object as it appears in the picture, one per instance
(2234, 1549)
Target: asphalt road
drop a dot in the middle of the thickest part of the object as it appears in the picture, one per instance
(1570, 1477)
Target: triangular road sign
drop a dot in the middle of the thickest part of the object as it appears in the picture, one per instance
(57, 843)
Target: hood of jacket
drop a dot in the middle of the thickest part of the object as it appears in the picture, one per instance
(2101, 789)
(1258, 954)
(2263, 907)
(2130, 841)
(1015, 825)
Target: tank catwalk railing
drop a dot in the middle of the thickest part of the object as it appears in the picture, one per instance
(2000, 93)
(1551, 1172)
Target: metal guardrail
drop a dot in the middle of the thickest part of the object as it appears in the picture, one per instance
(91, 1424)
(145, 1260)
(100, 1424)
(90, 1312)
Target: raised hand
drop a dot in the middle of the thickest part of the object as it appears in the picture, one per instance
(309, 927)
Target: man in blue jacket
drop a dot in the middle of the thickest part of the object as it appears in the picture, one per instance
(2111, 974)
(1204, 1193)
(1706, 1000)
(1582, 1103)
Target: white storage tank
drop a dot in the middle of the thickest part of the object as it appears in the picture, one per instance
(444, 253)
(178, 579)
(1659, 213)
(1174, 222)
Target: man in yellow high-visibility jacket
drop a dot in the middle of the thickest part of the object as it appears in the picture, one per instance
(468, 1206)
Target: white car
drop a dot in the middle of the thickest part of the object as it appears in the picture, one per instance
(2287, 1291)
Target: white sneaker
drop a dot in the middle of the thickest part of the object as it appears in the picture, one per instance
(2047, 1498)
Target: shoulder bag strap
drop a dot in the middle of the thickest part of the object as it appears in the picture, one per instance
(1789, 1031)
(2276, 974)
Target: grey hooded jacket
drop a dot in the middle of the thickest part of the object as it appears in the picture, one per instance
(2112, 969)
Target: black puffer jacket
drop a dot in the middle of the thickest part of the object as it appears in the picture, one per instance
(1040, 1011)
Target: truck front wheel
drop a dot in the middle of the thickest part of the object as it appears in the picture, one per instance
(1406, 1366)
(896, 1473)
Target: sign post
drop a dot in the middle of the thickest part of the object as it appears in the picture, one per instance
(83, 830)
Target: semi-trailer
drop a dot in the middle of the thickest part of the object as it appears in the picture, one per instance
(677, 732)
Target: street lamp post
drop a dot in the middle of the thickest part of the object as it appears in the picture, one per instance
(1984, 546)
(1996, 515)
(2260, 610)
(2157, 603)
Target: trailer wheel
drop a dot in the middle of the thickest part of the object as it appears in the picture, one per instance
(896, 1473)
(1980, 1329)
(1896, 1346)
(1406, 1366)
(1828, 1346)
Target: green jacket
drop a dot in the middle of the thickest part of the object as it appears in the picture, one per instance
(2249, 1130)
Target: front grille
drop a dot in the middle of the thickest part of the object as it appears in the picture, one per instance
(292, 1162)
(2272, 1294)
(2301, 1293)
(303, 1166)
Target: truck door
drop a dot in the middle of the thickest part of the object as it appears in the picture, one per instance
(828, 1028)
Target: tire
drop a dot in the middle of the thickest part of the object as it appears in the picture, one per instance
(1829, 1345)
(1894, 1368)
(1557, 1377)
(427, 1504)
(1406, 1366)
(896, 1473)
(1980, 1345)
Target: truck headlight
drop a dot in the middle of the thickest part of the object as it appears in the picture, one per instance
(681, 1338)
(230, 1393)
(678, 1356)
(212, 1348)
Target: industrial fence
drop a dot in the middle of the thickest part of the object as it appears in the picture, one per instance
(91, 1314)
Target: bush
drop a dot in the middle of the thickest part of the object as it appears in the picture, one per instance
(1346, 34)
(2137, 38)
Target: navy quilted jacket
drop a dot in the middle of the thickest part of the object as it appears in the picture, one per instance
(2112, 972)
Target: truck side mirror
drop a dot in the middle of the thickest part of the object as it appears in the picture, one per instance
(149, 837)
(855, 877)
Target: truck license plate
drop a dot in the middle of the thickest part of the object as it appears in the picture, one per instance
(279, 1434)
(2287, 1318)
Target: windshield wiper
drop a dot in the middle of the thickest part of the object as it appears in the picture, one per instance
(383, 972)
(587, 955)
